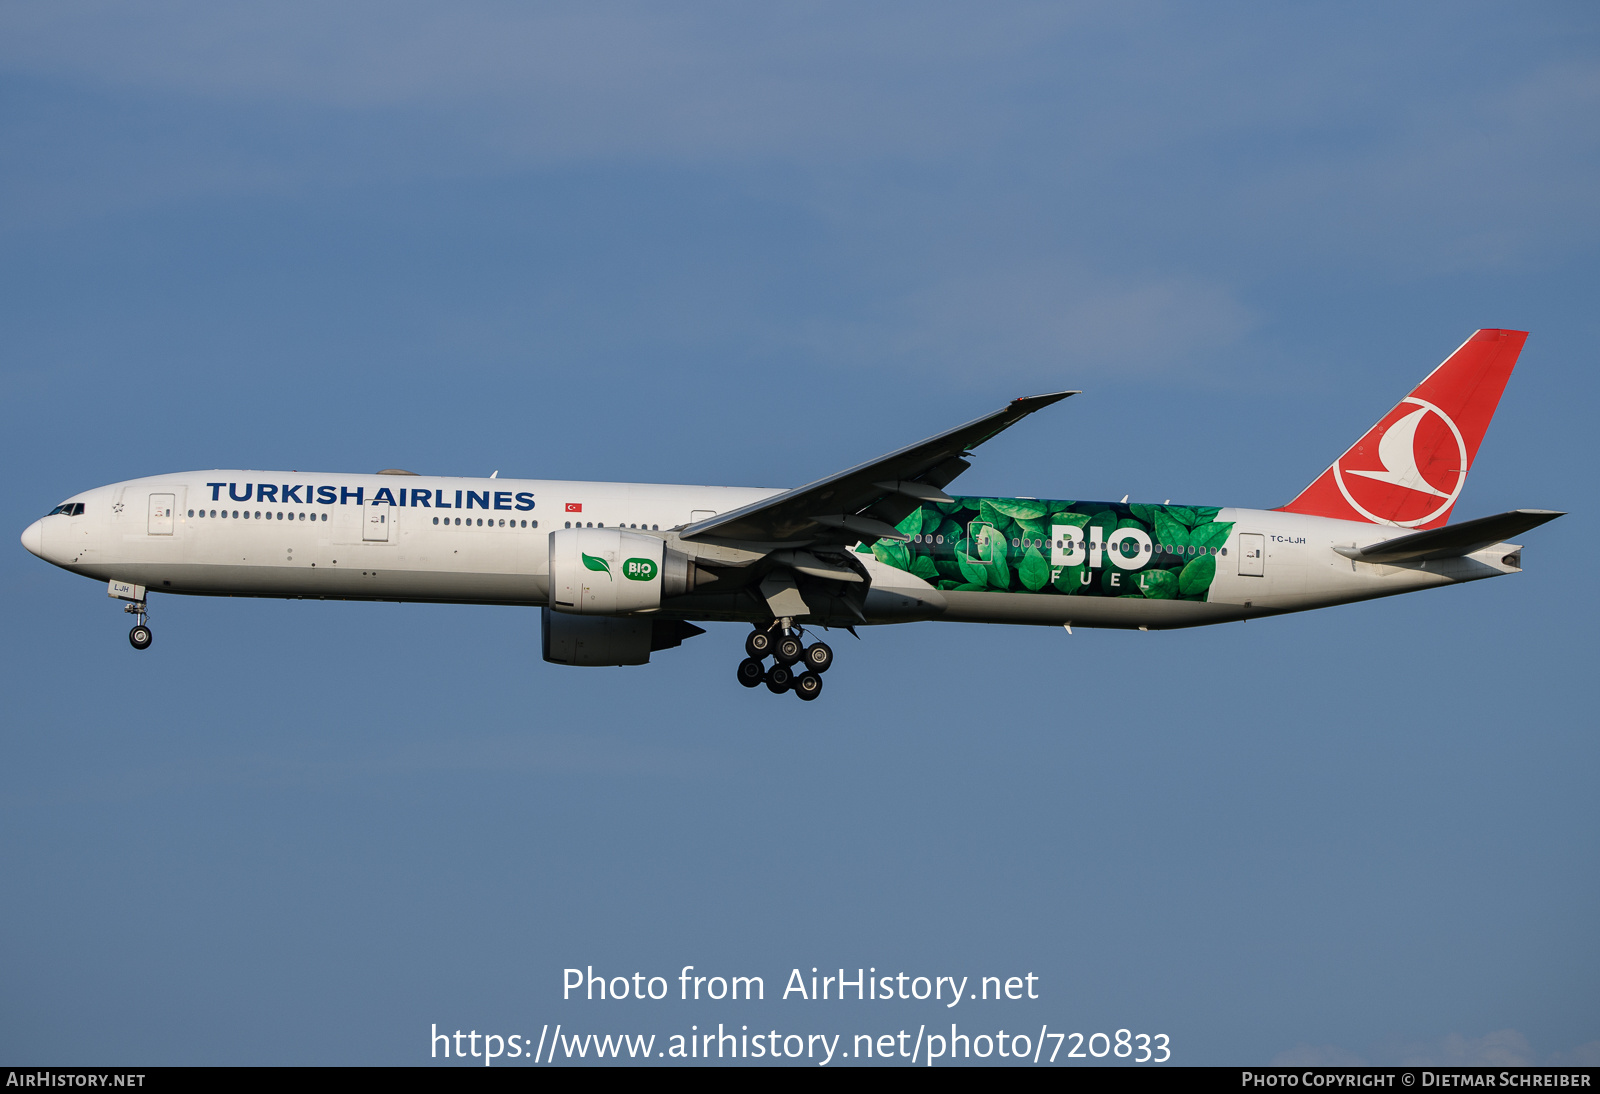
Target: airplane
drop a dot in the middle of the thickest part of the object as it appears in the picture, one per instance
(623, 570)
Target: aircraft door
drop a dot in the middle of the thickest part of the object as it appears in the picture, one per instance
(1252, 554)
(984, 544)
(162, 507)
(378, 521)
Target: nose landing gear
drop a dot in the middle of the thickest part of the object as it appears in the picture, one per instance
(797, 667)
(140, 637)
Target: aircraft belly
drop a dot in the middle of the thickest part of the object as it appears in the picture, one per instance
(341, 582)
(1086, 611)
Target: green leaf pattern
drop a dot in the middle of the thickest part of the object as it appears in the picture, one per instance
(973, 544)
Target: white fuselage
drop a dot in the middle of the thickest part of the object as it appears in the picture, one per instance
(486, 541)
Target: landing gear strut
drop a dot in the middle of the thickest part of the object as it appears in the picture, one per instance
(796, 667)
(140, 636)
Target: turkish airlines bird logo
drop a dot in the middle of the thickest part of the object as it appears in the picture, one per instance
(1412, 464)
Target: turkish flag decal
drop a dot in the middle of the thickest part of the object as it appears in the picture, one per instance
(574, 506)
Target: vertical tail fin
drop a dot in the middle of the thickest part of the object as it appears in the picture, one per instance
(1408, 470)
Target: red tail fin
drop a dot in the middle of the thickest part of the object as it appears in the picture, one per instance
(1409, 468)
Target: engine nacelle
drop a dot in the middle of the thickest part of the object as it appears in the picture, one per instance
(574, 640)
(602, 640)
(609, 571)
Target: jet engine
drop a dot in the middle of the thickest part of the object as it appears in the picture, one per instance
(602, 640)
(611, 571)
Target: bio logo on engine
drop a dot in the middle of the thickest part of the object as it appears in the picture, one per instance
(640, 569)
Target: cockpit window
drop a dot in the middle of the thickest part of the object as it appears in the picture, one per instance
(67, 509)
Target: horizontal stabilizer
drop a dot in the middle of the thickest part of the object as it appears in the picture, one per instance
(1453, 540)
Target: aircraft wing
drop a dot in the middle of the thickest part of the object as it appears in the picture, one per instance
(867, 501)
(1453, 540)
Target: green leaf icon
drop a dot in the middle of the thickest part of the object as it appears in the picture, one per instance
(912, 524)
(1211, 535)
(598, 565)
(1158, 584)
(1169, 532)
(1020, 508)
(893, 554)
(999, 572)
(975, 572)
(1197, 575)
(1034, 570)
(1033, 529)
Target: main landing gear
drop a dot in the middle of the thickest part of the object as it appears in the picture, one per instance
(140, 636)
(796, 667)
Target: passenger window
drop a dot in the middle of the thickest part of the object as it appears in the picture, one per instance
(191, 512)
(536, 524)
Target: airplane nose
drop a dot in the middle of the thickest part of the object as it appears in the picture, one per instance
(33, 538)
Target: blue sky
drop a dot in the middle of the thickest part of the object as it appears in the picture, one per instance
(720, 244)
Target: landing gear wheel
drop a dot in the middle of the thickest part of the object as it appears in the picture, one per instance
(751, 672)
(808, 685)
(779, 679)
(758, 644)
(818, 658)
(140, 637)
(788, 649)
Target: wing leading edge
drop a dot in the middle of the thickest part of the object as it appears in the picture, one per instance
(865, 502)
